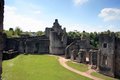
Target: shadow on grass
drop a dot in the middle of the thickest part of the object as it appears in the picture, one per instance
(7, 56)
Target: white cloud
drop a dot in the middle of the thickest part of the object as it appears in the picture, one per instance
(37, 12)
(79, 2)
(13, 19)
(110, 14)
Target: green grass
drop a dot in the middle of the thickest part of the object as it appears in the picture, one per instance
(102, 76)
(37, 67)
(78, 66)
(83, 68)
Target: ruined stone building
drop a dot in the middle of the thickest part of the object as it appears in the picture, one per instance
(109, 55)
(79, 50)
(106, 58)
(28, 44)
(57, 37)
(54, 42)
(82, 52)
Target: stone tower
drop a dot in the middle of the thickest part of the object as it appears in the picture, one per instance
(1, 34)
(57, 37)
(107, 54)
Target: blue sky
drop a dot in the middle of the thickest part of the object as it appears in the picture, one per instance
(88, 15)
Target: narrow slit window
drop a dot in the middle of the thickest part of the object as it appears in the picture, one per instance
(105, 45)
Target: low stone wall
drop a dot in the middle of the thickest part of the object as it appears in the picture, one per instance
(9, 54)
(34, 45)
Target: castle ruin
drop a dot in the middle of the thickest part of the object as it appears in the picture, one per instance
(106, 59)
(54, 42)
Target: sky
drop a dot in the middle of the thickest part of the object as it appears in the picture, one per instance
(88, 15)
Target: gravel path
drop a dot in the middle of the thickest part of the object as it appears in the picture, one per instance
(63, 61)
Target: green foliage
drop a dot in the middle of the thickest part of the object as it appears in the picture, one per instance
(13, 33)
(8, 33)
(40, 33)
(37, 67)
(118, 34)
(74, 34)
(92, 36)
(18, 31)
(94, 39)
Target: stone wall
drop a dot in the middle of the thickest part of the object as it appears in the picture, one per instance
(94, 58)
(56, 45)
(68, 49)
(47, 32)
(57, 37)
(12, 44)
(1, 34)
(79, 50)
(34, 45)
(1, 51)
(107, 55)
(117, 58)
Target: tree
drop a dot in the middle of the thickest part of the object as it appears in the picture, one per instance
(18, 31)
(11, 30)
(39, 33)
(8, 33)
(94, 39)
(74, 35)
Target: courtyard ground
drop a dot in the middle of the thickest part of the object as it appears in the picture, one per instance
(87, 69)
(63, 61)
(37, 67)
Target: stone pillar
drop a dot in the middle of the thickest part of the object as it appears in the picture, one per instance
(67, 52)
(79, 57)
(98, 60)
(74, 54)
(1, 34)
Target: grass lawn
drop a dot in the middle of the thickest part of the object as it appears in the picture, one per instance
(37, 67)
(83, 68)
(78, 66)
(102, 76)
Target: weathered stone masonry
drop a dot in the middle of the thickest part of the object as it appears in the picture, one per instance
(28, 45)
(54, 42)
(1, 34)
(106, 59)
(109, 56)
(57, 37)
